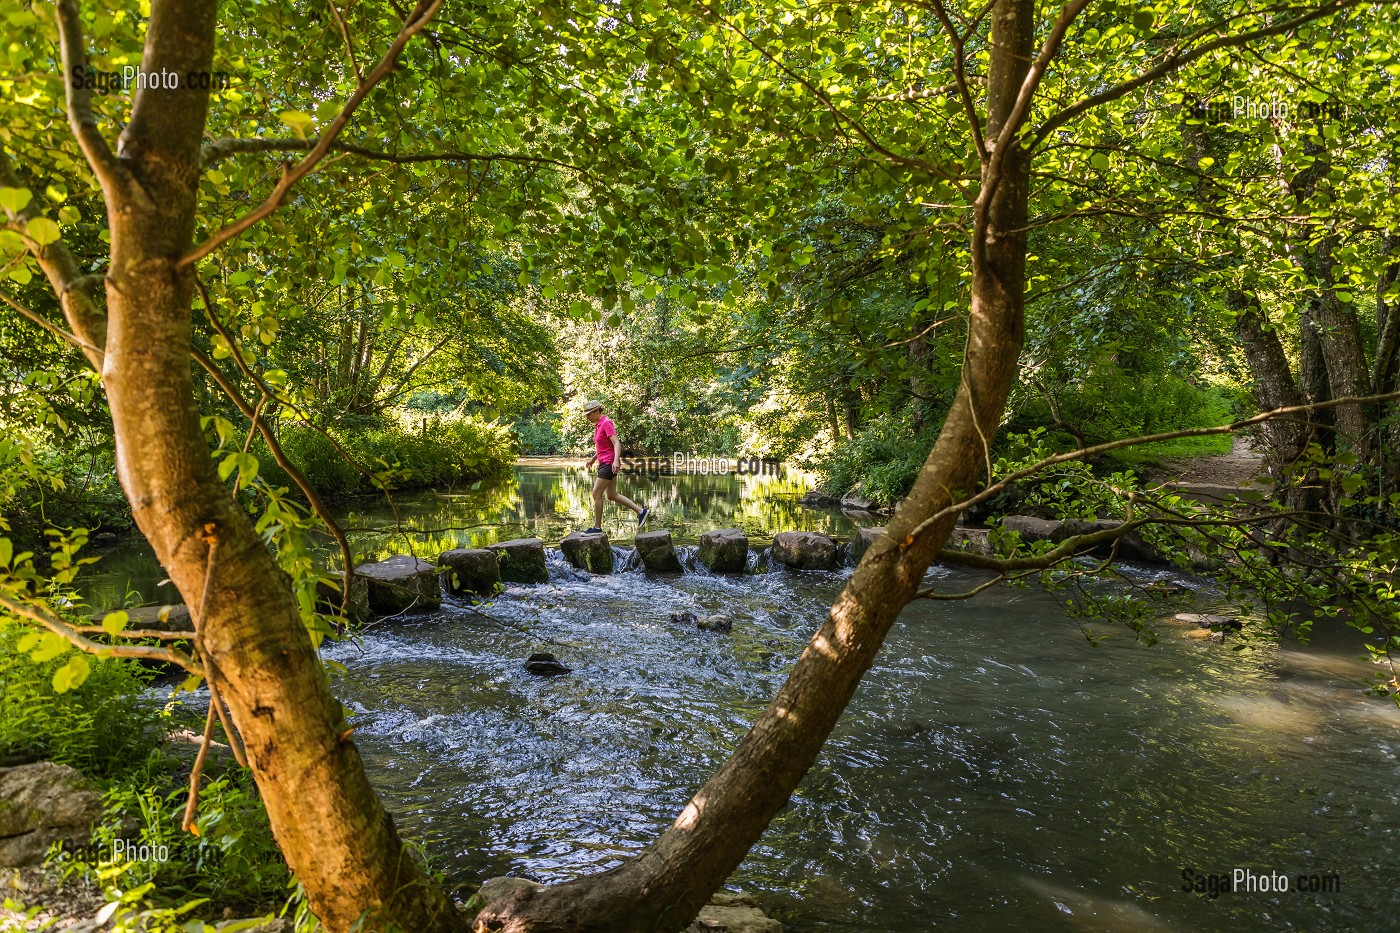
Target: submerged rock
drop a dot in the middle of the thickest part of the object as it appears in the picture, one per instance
(657, 552)
(724, 550)
(545, 664)
(401, 584)
(684, 618)
(733, 913)
(522, 560)
(819, 500)
(471, 570)
(591, 552)
(40, 804)
(805, 550)
(1214, 622)
(719, 623)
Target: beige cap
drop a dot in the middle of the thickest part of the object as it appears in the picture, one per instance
(591, 406)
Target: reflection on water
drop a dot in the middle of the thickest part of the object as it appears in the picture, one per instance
(993, 772)
(545, 501)
(548, 502)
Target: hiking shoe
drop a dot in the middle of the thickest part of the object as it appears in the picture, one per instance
(592, 531)
(642, 515)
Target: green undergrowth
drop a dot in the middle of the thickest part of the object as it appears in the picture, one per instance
(357, 461)
(111, 728)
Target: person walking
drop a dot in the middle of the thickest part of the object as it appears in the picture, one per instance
(608, 454)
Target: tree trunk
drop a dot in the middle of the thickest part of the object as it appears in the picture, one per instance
(1333, 324)
(663, 888)
(336, 836)
(1274, 387)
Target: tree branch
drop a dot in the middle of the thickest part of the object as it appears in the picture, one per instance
(69, 283)
(218, 149)
(1176, 59)
(105, 166)
(56, 625)
(416, 21)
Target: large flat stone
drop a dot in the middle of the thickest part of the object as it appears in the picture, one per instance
(471, 570)
(973, 541)
(40, 804)
(591, 552)
(1032, 529)
(402, 584)
(724, 550)
(522, 560)
(657, 552)
(805, 550)
(167, 618)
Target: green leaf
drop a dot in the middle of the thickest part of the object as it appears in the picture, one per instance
(300, 122)
(7, 550)
(71, 675)
(15, 200)
(114, 622)
(1099, 161)
(51, 645)
(43, 231)
(27, 642)
(229, 464)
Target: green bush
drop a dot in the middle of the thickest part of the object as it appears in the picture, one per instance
(442, 452)
(94, 728)
(881, 462)
(538, 433)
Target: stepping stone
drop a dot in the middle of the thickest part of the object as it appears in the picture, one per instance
(725, 550)
(1034, 529)
(168, 618)
(591, 552)
(657, 552)
(861, 542)
(973, 541)
(805, 550)
(328, 595)
(402, 584)
(471, 570)
(522, 560)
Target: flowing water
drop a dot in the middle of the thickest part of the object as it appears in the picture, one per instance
(995, 770)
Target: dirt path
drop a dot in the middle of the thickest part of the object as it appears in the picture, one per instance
(1243, 463)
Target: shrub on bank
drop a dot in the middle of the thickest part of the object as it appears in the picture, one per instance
(881, 462)
(436, 452)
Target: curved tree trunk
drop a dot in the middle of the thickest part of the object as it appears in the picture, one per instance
(333, 831)
(662, 889)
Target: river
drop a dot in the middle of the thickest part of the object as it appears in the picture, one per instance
(996, 770)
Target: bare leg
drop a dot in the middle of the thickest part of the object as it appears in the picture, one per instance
(621, 499)
(599, 486)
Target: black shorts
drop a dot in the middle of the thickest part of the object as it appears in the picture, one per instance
(607, 471)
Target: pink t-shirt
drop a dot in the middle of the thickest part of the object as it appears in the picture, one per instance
(602, 439)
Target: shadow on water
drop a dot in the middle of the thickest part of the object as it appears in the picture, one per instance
(994, 770)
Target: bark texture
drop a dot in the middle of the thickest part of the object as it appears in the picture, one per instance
(336, 836)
